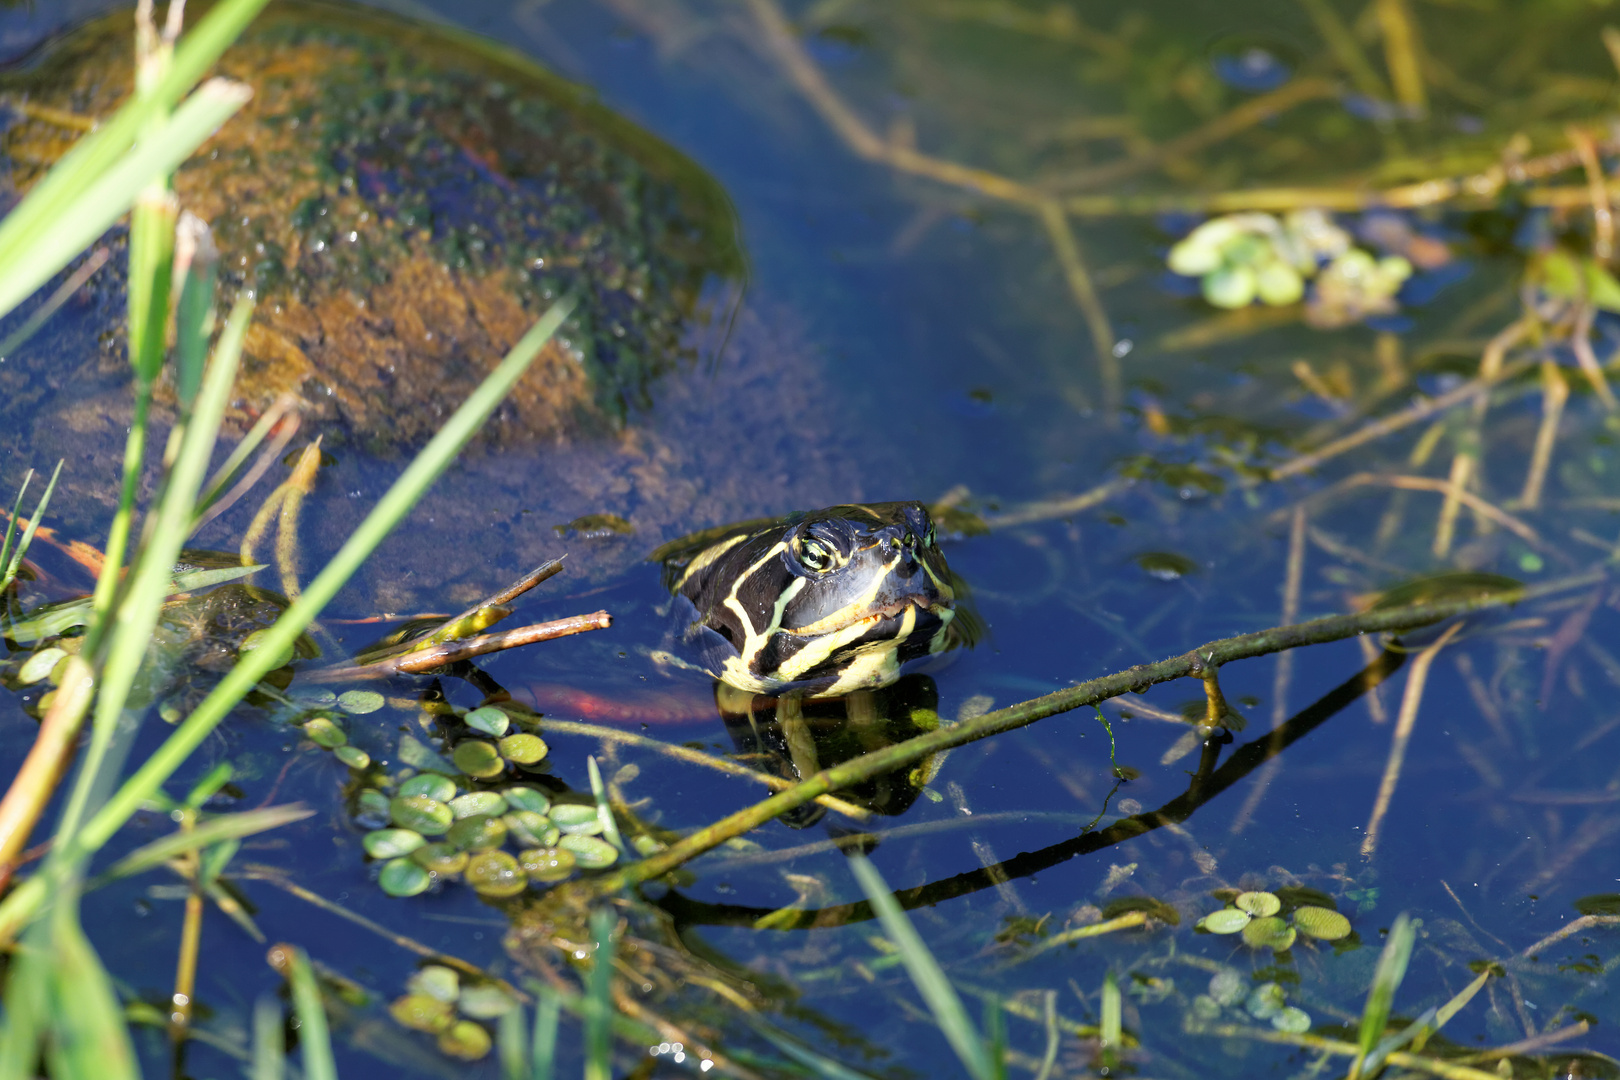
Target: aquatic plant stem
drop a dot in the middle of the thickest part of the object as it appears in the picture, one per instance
(1293, 579)
(1554, 395)
(1421, 409)
(415, 663)
(1405, 721)
(1136, 679)
(1058, 230)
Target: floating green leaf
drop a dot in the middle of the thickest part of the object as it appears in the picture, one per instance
(1269, 933)
(391, 843)
(1321, 923)
(527, 798)
(1258, 904)
(360, 702)
(489, 720)
(465, 1039)
(422, 1012)
(403, 877)
(1225, 921)
(590, 852)
(352, 756)
(440, 858)
(478, 758)
(430, 817)
(436, 981)
(477, 833)
(524, 749)
(547, 863)
(433, 785)
(495, 873)
(476, 803)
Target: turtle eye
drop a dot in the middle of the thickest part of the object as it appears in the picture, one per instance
(813, 554)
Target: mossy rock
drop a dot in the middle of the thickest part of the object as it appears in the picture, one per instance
(405, 200)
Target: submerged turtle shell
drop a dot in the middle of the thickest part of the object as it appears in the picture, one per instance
(405, 201)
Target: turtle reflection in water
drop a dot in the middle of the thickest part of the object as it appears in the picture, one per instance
(792, 614)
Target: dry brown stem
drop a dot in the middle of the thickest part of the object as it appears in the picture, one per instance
(47, 760)
(1554, 394)
(1404, 723)
(415, 663)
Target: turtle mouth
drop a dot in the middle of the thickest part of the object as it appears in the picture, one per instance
(870, 617)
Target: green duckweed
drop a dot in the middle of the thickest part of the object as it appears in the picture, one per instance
(391, 843)
(590, 852)
(478, 758)
(428, 816)
(1269, 933)
(1291, 1019)
(352, 756)
(440, 858)
(495, 873)
(485, 1001)
(40, 665)
(547, 863)
(574, 818)
(436, 981)
(476, 803)
(1259, 904)
(527, 798)
(420, 1012)
(489, 720)
(403, 877)
(431, 784)
(524, 749)
(1322, 923)
(1226, 987)
(531, 829)
(477, 833)
(465, 1039)
(360, 702)
(1265, 1001)
(371, 803)
(1225, 921)
(322, 732)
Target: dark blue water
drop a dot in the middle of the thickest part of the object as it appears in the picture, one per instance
(932, 333)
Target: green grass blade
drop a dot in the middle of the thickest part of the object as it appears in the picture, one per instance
(269, 1041)
(27, 1007)
(94, 154)
(604, 812)
(88, 1039)
(547, 1016)
(1386, 978)
(314, 1040)
(935, 988)
(995, 1036)
(64, 235)
(11, 528)
(213, 831)
(27, 540)
(1110, 1026)
(27, 898)
(151, 262)
(817, 1063)
(598, 1001)
(152, 575)
(512, 1044)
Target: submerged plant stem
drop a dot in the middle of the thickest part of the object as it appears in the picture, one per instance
(1404, 723)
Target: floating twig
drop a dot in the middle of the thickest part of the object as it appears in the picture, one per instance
(1058, 231)
(1402, 46)
(415, 663)
(1194, 663)
(1581, 341)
